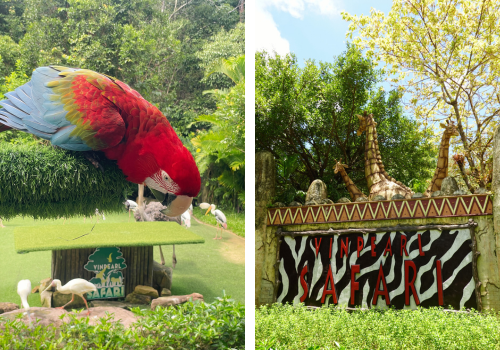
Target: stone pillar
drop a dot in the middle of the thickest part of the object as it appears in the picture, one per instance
(265, 187)
(495, 188)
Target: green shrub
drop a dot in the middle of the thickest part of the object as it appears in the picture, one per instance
(219, 325)
(289, 327)
(47, 182)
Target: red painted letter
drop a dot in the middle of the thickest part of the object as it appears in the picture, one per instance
(326, 291)
(344, 247)
(388, 247)
(360, 245)
(384, 291)
(354, 284)
(403, 245)
(408, 285)
(373, 246)
(317, 245)
(304, 284)
(439, 282)
(420, 245)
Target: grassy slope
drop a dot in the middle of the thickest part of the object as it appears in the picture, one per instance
(207, 268)
(286, 327)
(235, 221)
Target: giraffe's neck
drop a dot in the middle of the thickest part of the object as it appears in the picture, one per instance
(374, 169)
(354, 192)
(442, 164)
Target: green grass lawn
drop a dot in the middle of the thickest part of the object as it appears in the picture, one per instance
(208, 269)
(235, 221)
(288, 327)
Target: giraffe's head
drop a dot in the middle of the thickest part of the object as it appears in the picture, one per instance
(339, 166)
(365, 120)
(450, 129)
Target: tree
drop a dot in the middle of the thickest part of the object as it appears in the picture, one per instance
(445, 55)
(307, 118)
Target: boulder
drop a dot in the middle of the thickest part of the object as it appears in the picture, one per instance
(312, 202)
(480, 190)
(46, 298)
(437, 194)
(361, 199)
(449, 185)
(135, 298)
(397, 196)
(125, 317)
(60, 299)
(35, 290)
(162, 276)
(175, 300)
(417, 195)
(119, 304)
(278, 205)
(317, 191)
(379, 197)
(8, 307)
(45, 283)
(460, 193)
(344, 200)
(145, 290)
(326, 201)
(294, 204)
(165, 292)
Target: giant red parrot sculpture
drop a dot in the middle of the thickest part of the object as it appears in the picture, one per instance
(81, 110)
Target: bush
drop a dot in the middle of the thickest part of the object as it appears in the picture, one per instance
(46, 182)
(219, 325)
(288, 327)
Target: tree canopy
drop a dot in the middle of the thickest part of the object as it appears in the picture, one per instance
(445, 55)
(307, 118)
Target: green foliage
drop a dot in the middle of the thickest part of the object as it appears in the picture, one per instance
(45, 182)
(218, 325)
(235, 221)
(308, 116)
(288, 327)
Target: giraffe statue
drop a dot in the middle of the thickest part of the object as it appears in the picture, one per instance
(379, 182)
(354, 192)
(441, 172)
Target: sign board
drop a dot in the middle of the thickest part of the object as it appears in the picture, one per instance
(106, 263)
(400, 268)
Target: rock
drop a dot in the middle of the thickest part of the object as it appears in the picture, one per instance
(278, 205)
(295, 204)
(35, 290)
(162, 276)
(46, 298)
(480, 190)
(397, 196)
(361, 199)
(175, 300)
(120, 304)
(417, 195)
(165, 292)
(344, 200)
(460, 193)
(45, 283)
(55, 317)
(449, 185)
(317, 191)
(437, 194)
(135, 298)
(8, 307)
(379, 197)
(60, 299)
(313, 202)
(145, 290)
(326, 201)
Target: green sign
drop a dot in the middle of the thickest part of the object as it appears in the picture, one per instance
(106, 263)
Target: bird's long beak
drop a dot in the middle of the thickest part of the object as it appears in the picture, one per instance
(50, 286)
(208, 210)
(176, 205)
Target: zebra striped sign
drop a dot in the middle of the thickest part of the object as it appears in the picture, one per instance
(404, 269)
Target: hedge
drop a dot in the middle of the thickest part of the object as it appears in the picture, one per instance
(46, 182)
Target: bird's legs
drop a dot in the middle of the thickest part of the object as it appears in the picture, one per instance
(87, 305)
(161, 255)
(217, 231)
(62, 307)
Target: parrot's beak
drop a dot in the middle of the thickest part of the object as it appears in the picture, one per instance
(176, 205)
(158, 195)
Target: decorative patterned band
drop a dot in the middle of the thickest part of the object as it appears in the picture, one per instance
(418, 208)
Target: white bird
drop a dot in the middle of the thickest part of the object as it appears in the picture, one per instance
(186, 218)
(131, 206)
(219, 217)
(77, 286)
(204, 205)
(24, 289)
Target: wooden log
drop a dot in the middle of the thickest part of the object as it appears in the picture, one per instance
(62, 271)
(331, 231)
(150, 266)
(134, 267)
(53, 265)
(140, 267)
(74, 264)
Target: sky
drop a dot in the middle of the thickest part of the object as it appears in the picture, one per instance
(311, 29)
